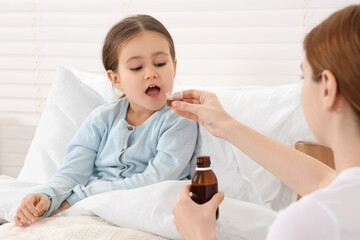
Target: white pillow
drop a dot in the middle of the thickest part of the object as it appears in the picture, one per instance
(100, 83)
(274, 111)
(69, 102)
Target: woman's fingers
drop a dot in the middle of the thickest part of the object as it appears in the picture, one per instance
(193, 94)
(185, 190)
(216, 200)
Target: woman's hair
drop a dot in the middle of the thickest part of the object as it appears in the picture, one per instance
(127, 29)
(334, 45)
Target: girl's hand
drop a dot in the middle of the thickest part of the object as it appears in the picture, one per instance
(32, 206)
(194, 221)
(64, 205)
(205, 108)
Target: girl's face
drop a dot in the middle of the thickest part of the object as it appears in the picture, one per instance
(146, 71)
(311, 101)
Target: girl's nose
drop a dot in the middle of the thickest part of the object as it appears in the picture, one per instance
(150, 74)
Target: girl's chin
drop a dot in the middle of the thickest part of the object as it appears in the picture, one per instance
(158, 107)
(155, 105)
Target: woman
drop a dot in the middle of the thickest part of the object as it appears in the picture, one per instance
(330, 208)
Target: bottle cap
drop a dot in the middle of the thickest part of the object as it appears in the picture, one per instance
(203, 161)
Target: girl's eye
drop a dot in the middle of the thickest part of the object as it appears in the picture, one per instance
(136, 68)
(159, 64)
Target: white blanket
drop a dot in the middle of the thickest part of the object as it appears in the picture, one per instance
(73, 228)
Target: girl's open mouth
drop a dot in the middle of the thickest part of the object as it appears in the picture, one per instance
(152, 91)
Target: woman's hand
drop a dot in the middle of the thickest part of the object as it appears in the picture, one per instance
(205, 108)
(32, 206)
(64, 205)
(194, 221)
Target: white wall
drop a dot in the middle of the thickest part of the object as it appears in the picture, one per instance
(224, 43)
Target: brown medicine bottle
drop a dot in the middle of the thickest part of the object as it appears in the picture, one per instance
(204, 182)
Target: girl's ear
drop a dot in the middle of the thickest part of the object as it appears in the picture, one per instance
(114, 78)
(329, 89)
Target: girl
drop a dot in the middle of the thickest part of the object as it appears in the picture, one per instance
(330, 208)
(131, 142)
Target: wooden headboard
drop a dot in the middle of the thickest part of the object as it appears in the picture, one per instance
(320, 152)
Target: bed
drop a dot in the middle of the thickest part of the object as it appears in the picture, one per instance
(253, 195)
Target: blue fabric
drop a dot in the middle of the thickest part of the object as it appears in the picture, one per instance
(109, 154)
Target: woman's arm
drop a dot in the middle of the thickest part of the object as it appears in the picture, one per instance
(301, 172)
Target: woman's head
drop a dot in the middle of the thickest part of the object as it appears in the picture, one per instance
(334, 45)
(127, 29)
(139, 58)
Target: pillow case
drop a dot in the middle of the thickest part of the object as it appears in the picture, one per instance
(69, 102)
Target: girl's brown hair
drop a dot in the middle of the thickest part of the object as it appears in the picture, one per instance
(334, 45)
(124, 31)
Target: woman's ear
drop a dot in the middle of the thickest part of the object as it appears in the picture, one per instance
(114, 78)
(329, 89)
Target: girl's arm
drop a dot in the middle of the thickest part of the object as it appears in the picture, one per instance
(174, 151)
(78, 163)
(301, 172)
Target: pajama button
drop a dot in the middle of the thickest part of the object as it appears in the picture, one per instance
(130, 128)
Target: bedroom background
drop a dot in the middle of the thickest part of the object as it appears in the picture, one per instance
(219, 44)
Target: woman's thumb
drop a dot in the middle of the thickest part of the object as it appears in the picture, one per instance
(216, 200)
